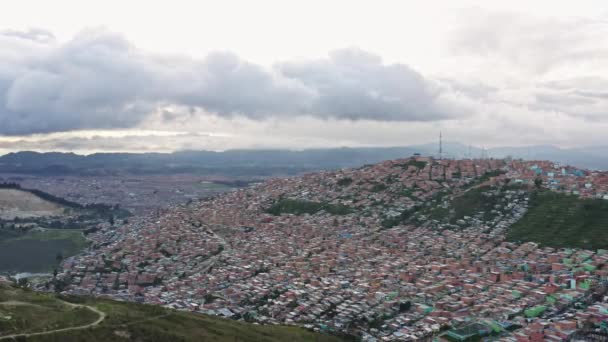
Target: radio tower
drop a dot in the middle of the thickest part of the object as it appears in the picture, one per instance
(440, 147)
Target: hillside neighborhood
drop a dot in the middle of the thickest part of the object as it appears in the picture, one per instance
(380, 252)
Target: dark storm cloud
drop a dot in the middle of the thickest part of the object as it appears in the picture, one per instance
(96, 80)
(99, 80)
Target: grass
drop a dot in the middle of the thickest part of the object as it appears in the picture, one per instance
(28, 312)
(137, 322)
(474, 201)
(345, 181)
(299, 207)
(412, 162)
(469, 203)
(559, 220)
(57, 234)
(37, 251)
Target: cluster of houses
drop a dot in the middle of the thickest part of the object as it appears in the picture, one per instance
(344, 271)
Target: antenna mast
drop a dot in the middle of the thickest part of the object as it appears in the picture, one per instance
(440, 147)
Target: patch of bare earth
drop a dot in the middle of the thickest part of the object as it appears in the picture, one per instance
(16, 203)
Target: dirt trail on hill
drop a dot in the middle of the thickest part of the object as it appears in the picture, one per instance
(102, 316)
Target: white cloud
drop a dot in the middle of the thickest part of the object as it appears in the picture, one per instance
(99, 80)
(502, 73)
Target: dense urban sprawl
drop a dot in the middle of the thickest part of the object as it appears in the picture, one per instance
(335, 251)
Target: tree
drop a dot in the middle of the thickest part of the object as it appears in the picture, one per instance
(405, 306)
(538, 182)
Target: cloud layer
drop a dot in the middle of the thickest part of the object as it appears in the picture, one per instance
(503, 78)
(99, 80)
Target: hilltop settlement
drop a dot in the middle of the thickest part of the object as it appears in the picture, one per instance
(403, 250)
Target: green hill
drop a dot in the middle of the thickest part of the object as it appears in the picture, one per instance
(31, 316)
(560, 220)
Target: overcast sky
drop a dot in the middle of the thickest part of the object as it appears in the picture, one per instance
(91, 76)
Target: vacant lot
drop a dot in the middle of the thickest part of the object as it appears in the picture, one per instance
(17, 203)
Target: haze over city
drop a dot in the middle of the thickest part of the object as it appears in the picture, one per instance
(181, 75)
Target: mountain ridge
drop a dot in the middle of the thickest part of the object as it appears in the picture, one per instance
(268, 162)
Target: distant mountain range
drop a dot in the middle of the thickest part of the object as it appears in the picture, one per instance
(263, 163)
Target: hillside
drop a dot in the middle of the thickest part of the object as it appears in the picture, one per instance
(40, 250)
(43, 229)
(552, 219)
(46, 317)
(559, 220)
(375, 250)
(17, 203)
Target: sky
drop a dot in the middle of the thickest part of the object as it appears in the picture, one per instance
(143, 76)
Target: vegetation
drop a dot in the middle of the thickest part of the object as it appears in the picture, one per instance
(25, 243)
(41, 249)
(126, 321)
(412, 162)
(378, 187)
(346, 181)
(299, 207)
(480, 201)
(28, 312)
(489, 174)
(99, 209)
(560, 220)
(474, 201)
(405, 215)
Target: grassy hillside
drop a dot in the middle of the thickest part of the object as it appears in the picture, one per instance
(124, 321)
(39, 251)
(299, 207)
(559, 220)
(476, 201)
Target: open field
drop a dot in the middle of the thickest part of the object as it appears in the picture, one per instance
(123, 321)
(37, 251)
(17, 203)
(559, 220)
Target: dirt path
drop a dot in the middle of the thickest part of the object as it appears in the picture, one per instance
(17, 303)
(102, 316)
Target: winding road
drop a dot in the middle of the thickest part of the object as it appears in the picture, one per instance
(102, 316)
